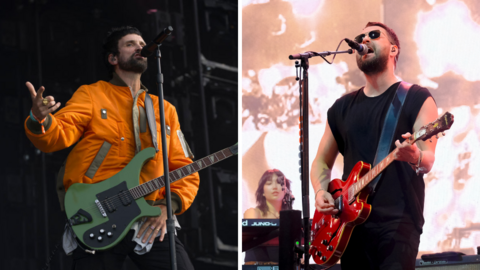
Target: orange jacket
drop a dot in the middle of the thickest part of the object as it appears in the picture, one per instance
(102, 112)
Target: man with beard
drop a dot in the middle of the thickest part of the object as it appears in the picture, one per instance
(107, 121)
(390, 236)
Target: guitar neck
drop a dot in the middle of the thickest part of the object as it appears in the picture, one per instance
(157, 183)
(370, 175)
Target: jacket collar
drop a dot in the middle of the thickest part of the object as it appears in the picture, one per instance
(116, 80)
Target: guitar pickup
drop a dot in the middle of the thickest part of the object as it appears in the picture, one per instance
(110, 206)
(125, 197)
(80, 217)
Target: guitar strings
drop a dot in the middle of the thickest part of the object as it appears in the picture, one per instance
(118, 197)
(173, 177)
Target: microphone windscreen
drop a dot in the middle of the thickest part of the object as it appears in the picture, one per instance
(363, 49)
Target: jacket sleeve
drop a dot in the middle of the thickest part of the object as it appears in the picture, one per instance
(187, 187)
(65, 127)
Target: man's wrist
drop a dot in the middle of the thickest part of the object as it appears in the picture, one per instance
(418, 159)
(416, 165)
(316, 192)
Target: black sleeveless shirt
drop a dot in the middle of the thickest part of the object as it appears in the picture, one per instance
(356, 122)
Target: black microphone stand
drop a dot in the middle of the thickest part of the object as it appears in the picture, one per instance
(304, 160)
(170, 221)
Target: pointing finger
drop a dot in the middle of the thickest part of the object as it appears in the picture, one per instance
(31, 89)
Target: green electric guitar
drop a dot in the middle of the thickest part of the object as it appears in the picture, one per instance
(101, 214)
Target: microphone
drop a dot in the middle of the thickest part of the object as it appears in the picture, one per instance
(152, 46)
(362, 49)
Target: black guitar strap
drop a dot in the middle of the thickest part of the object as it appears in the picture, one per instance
(389, 127)
(151, 119)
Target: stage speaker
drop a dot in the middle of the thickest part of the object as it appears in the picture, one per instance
(469, 262)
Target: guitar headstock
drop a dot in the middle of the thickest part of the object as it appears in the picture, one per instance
(443, 123)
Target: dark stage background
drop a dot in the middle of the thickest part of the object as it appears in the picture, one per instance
(58, 44)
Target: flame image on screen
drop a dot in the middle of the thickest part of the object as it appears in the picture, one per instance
(447, 40)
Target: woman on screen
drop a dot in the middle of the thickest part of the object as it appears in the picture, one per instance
(273, 194)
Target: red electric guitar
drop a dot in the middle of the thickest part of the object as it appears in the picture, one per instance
(330, 234)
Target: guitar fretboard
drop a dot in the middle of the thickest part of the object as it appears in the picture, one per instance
(369, 176)
(443, 123)
(157, 183)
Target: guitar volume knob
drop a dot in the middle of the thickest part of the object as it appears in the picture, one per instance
(324, 242)
(102, 231)
(330, 248)
(324, 258)
(92, 236)
(109, 234)
(99, 239)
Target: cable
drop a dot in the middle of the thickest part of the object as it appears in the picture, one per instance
(334, 54)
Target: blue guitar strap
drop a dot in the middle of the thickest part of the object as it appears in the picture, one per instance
(389, 127)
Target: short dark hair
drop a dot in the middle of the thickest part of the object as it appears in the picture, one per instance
(110, 43)
(282, 180)
(392, 37)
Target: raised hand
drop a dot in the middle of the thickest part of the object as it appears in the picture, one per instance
(40, 109)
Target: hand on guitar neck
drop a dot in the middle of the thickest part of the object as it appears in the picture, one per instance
(420, 154)
(406, 151)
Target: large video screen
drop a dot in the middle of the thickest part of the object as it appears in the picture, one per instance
(439, 50)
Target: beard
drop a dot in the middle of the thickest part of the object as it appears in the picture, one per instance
(133, 65)
(375, 65)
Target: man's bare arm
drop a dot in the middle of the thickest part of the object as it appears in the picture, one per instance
(428, 113)
(321, 172)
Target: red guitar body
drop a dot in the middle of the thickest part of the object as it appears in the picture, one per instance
(330, 234)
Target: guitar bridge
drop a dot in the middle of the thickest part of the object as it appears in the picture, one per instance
(100, 207)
